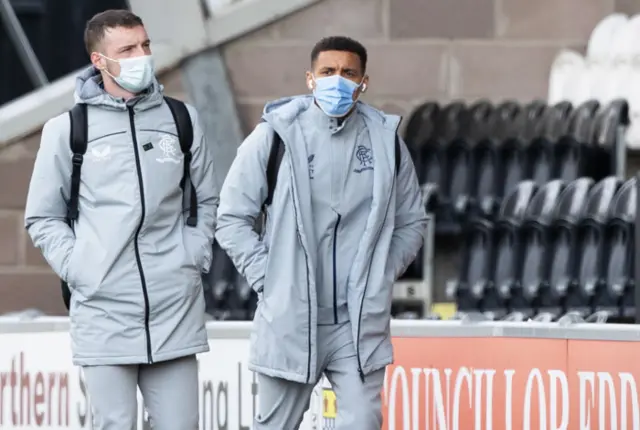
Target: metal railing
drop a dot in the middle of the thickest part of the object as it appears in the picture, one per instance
(21, 43)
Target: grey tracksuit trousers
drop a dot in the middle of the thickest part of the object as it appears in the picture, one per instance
(282, 403)
(169, 389)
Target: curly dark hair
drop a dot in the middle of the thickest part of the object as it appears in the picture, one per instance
(340, 43)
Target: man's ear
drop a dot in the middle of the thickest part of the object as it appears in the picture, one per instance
(365, 84)
(310, 82)
(98, 61)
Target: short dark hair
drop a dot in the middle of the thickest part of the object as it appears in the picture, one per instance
(97, 26)
(340, 43)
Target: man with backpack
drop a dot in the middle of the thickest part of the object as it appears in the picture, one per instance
(343, 219)
(122, 204)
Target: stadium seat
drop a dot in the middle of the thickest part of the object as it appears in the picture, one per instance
(504, 273)
(567, 78)
(423, 143)
(516, 316)
(559, 258)
(511, 162)
(533, 119)
(610, 125)
(545, 317)
(539, 158)
(618, 276)
(483, 181)
(480, 116)
(534, 239)
(571, 317)
(573, 152)
(468, 291)
(589, 252)
(598, 317)
(422, 124)
(503, 120)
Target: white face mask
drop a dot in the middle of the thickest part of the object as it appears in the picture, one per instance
(136, 74)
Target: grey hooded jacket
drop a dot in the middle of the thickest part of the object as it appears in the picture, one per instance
(280, 266)
(133, 265)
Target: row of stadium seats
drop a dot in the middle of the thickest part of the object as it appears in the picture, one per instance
(571, 317)
(554, 248)
(470, 157)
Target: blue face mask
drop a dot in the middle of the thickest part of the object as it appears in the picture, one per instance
(334, 95)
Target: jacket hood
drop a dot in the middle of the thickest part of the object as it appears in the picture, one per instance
(282, 112)
(89, 90)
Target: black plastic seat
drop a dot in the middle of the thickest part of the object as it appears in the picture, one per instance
(535, 114)
(610, 123)
(506, 245)
(557, 120)
(430, 160)
(534, 239)
(569, 159)
(456, 186)
(483, 180)
(576, 149)
(468, 291)
(483, 161)
(539, 155)
(422, 124)
(589, 269)
(618, 282)
(480, 120)
(452, 160)
(422, 140)
(504, 121)
(559, 260)
(511, 166)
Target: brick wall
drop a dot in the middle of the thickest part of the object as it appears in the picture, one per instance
(419, 49)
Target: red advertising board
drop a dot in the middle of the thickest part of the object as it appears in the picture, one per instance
(512, 384)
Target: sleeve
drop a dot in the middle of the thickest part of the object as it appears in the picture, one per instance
(200, 238)
(410, 219)
(46, 207)
(243, 193)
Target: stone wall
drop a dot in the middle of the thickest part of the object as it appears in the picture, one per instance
(419, 50)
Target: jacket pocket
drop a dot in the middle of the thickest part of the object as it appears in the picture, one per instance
(194, 249)
(71, 277)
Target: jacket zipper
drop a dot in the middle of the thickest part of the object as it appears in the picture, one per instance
(306, 264)
(335, 270)
(364, 292)
(143, 281)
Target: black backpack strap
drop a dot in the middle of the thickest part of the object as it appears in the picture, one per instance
(184, 127)
(273, 166)
(78, 138)
(398, 154)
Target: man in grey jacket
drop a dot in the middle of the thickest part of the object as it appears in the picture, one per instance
(344, 222)
(133, 266)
